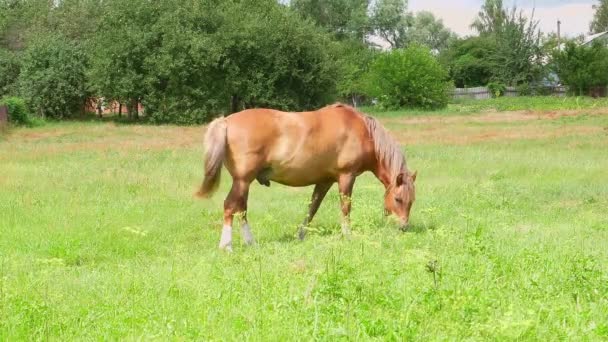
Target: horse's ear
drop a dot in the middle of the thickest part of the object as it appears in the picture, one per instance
(414, 175)
(399, 181)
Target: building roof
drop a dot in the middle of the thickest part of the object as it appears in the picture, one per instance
(593, 37)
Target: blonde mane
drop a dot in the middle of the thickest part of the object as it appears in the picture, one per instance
(387, 150)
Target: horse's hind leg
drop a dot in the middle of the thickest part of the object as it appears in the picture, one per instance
(317, 197)
(236, 205)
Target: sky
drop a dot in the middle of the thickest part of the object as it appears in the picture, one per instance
(575, 15)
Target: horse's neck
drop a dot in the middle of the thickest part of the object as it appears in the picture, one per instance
(383, 175)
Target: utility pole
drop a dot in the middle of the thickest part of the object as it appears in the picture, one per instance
(559, 38)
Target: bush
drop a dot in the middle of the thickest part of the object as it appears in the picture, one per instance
(497, 89)
(582, 68)
(52, 78)
(17, 111)
(524, 89)
(409, 77)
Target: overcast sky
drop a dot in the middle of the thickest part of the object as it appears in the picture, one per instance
(575, 15)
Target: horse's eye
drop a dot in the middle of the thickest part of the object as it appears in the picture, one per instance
(398, 200)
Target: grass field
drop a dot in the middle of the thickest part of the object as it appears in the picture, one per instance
(101, 239)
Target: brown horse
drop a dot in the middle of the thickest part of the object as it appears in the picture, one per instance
(333, 144)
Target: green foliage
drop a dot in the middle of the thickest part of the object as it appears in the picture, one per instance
(273, 59)
(600, 18)
(491, 18)
(497, 89)
(17, 110)
(119, 50)
(399, 28)
(353, 65)
(524, 89)
(409, 77)
(52, 78)
(185, 61)
(429, 31)
(470, 61)
(518, 56)
(582, 67)
(390, 21)
(9, 72)
(345, 19)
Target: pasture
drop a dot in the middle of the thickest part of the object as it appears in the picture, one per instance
(101, 238)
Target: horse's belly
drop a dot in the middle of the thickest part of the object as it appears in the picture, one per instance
(294, 176)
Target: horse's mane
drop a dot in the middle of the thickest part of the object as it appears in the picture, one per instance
(386, 148)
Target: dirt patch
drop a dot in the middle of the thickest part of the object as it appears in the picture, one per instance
(106, 138)
(492, 117)
(471, 129)
(463, 135)
(459, 130)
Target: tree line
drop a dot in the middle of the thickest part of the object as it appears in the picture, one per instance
(186, 61)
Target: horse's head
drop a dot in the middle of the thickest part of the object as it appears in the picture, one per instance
(400, 197)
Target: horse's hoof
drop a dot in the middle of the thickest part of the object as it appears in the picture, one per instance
(227, 248)
(301, 234)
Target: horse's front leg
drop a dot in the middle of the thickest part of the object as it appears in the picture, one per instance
(315, 202)
(345, 185)
(236, 205)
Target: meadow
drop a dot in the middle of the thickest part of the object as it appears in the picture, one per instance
(101, 238)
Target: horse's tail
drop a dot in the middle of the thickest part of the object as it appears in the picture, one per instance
(215, 151)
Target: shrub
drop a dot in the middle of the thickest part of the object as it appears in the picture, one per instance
(497, 89)
(17, 111)
(582, 68)
(52, 78)
(409, 77)
(524, 89)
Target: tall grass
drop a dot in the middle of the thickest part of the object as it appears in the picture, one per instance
(101, 239)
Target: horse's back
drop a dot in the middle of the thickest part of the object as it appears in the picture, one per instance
(299, 148)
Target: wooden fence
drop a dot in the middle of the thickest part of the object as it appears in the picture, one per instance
(480, 93)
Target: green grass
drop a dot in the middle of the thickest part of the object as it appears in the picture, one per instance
(501, 104)
(100, 239)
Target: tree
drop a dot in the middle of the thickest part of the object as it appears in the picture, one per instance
(581, 67)
(409, 77)
(491, 18)
(600, 19)
(518, 57)
(345, 19)
(391, 21)
(52, 77)
(470, 61)
(399, 28)
(353, 64)
(429, 31)
(9, 72)
(187, 61)
(119, 50)
(273, 58)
